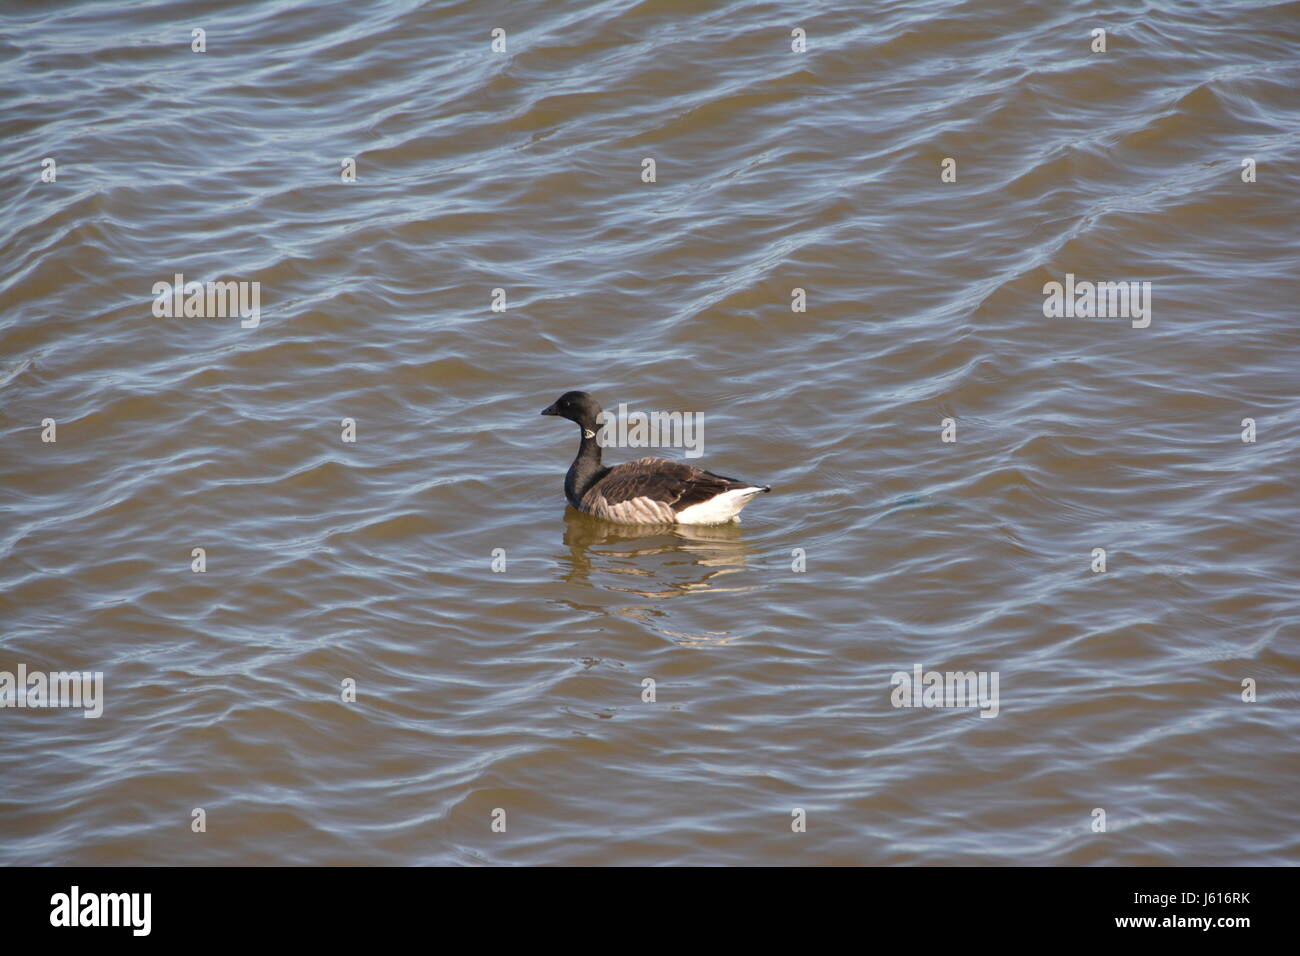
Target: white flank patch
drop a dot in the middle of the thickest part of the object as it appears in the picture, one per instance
(719, 508)
(635, 511)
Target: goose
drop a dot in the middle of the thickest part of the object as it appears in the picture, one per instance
(648, 490)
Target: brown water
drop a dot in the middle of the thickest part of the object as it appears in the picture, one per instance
(522, 689)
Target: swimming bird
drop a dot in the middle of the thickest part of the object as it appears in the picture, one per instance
(648, 490)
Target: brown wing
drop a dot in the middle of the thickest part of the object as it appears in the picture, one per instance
(669, 482)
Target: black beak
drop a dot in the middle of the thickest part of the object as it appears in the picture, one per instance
(550, 410)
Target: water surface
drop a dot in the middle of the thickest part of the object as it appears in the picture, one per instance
(372, 561)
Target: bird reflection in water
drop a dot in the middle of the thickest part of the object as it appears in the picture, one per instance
(712, 551)
(655, 562)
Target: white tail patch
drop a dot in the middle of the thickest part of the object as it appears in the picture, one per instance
(718, 509)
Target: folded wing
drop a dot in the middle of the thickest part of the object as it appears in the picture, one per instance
(654, 489)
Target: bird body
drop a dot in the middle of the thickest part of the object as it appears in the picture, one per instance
(648, 490)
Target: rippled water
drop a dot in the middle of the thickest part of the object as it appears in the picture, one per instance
(521, 690)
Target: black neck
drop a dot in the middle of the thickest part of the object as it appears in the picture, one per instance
(586, 469)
